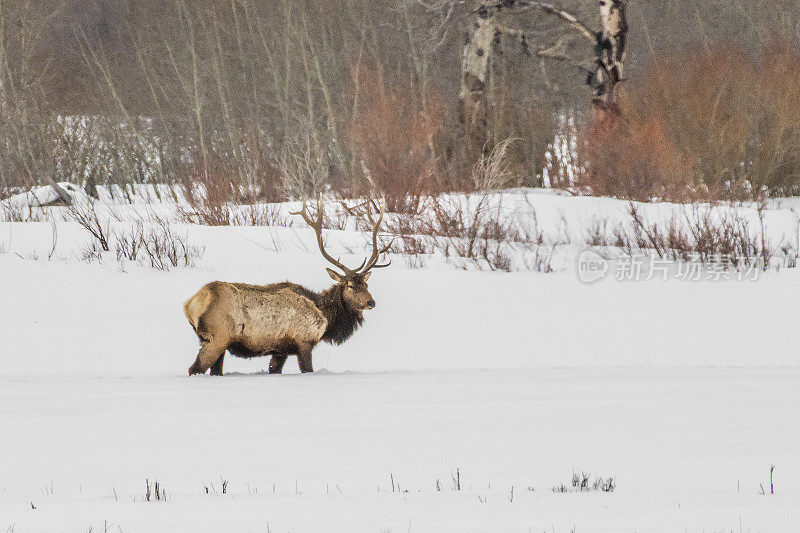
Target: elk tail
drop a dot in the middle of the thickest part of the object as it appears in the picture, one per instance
(197, 305)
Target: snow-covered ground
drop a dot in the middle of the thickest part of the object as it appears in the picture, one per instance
(688, 448)
(684, 392)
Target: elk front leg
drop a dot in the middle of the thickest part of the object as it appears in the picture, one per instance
(304, 361)
(276, 364)
(210, 353)
(216, 368)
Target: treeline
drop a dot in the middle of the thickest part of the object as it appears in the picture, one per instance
(267, 100)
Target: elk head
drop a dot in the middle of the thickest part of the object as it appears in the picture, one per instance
(353, 281)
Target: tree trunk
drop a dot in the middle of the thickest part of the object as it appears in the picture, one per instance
(476, 57)
(610, 47)
(610, 50)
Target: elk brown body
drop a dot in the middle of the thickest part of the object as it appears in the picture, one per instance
(280, 319)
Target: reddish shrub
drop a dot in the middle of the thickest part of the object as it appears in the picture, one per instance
(774, 150)
(630, 157)
(393, 131)
(701, 125)
(704, 101)
(718, 122)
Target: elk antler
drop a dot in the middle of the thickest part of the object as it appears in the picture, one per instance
(316, 225)
(370, 204)
(367, 264)
(376, 225)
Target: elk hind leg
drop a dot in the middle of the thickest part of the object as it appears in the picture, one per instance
(276, 364)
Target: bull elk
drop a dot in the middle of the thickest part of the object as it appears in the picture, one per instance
(283, 319)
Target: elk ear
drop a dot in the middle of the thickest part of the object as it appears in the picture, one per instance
(366, 276)
(335, 276)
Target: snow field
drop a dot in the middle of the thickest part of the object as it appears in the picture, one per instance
(685, 392)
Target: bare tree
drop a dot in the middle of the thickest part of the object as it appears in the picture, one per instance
(609, 46)
(178, 91)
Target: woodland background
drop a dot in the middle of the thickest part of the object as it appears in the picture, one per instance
(273, 100)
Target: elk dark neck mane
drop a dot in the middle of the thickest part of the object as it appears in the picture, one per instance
(342, 321)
